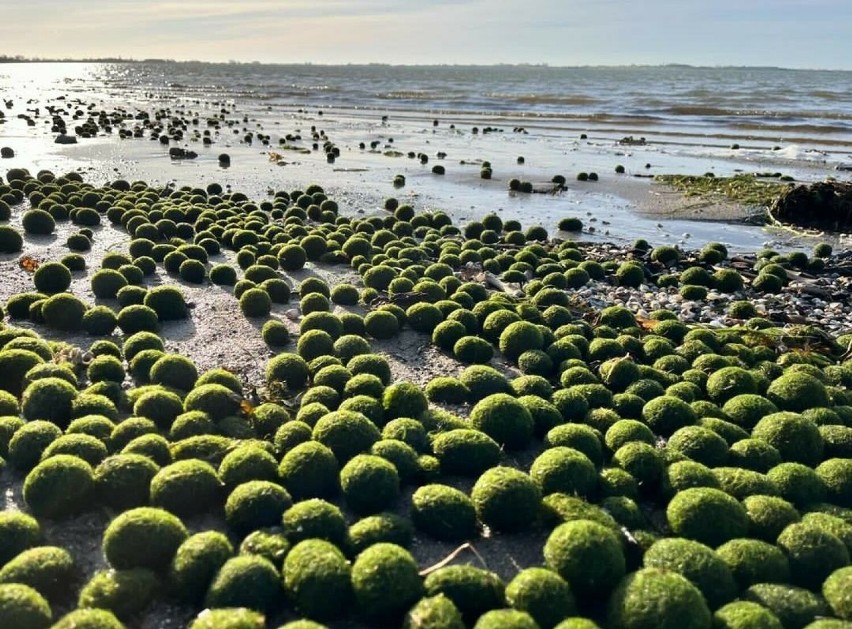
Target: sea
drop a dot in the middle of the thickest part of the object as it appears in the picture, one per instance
(651, 119)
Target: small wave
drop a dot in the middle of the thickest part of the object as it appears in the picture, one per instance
(544, 99)
(410, 95)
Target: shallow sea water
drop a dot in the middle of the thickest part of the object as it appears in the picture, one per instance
(798, 123)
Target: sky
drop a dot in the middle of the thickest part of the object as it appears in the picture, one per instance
(787, 33)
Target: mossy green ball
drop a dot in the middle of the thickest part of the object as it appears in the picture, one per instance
(652, 597)
(506, 499)
(386, 581)
(59, 486)
(317, 579)
(706, 515)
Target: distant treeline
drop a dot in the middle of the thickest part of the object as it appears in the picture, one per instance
(23, 59)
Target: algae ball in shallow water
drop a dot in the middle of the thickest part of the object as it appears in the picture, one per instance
(346, 433)
(122, 481)
(63, 312)
(49, 399)
(309, 470)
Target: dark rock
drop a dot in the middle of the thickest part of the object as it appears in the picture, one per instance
(65, 139)
(824, 205)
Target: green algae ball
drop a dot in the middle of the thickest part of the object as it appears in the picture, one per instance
(587, 554)
(47, 569)
(837, 590)
(836, 476)
(229, 618)
(246, 581)
(51, 278)
(385, 581)
(518, 337)
(369, 483)
(309, 470)
(434, 612)
(699, 444)
(666, 414)
(745, 615)
(380, 528)
(404, 399)
(315, 518)
(168, 302)
(49, 399)
(706, 515)
(443, 512)
(175, 371)
(144, 537)
(346, 433)
(122, 480)
(137, 318)
(59, 486)
(498, 618)
(754, 561)
(291, 369)
(472, 590)
(317, 579)
(255, 504)
(729, 382)
(506, 499)
(88, 619)
(698, 563)
(504, 419)
(466, 452)
(542, 594)
(795, 437)
(195, 564)
(29, 442)
(186, 487)
(125, 593)
(652, 597)
(565, 470)
(18, 532)
(793, 606)
(797, 391)
(381, 324)
(255, 302)
(22, 607)
(813, 552)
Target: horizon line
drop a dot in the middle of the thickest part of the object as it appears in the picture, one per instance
(8, 59)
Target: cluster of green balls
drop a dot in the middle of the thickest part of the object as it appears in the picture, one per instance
(672, 475)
